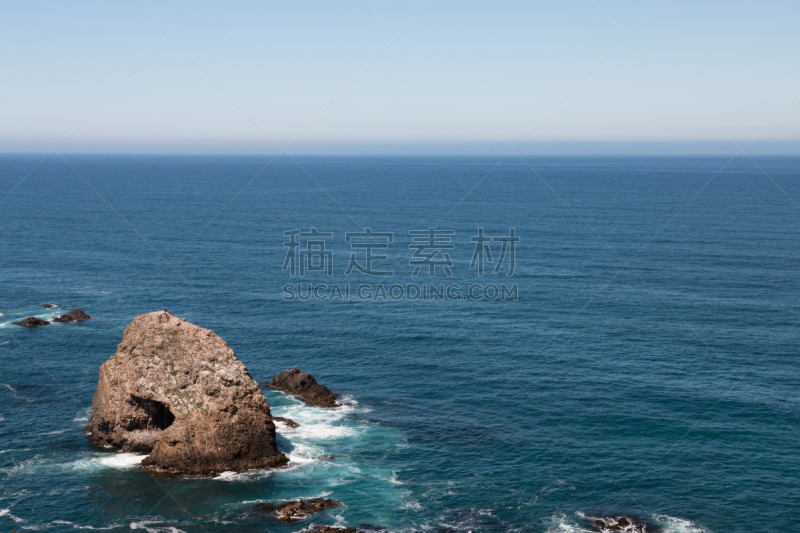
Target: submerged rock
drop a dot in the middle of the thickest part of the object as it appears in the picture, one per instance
(362, 528)
(292, 511)
(288, 421)
(176, 391)
(31, 322)
(370, 528)
(48, 306)
(623, 524)
(304, 386)
(75, 315)
(333, 529)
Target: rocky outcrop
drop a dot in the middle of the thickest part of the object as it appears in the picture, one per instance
(304, 386)
(76, 315)
(176, 391)
(288, 421)
(48, 306)
(292, 511)
(31, 322)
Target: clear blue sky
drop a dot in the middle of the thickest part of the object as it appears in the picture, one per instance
(346, 76)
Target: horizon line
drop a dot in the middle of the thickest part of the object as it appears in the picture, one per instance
(488, 149)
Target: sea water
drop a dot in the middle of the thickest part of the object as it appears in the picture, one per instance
(647, 365)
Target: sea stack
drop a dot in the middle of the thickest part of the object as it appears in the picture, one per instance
(177, 392)
(304, 386)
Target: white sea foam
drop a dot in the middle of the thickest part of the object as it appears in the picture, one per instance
(151, 527)
(316, 423)
(348, 400)
(122, 460)
(23, 467)
(15, 450)
(93, 462)
(301, 455)
(317, 426)
(82, 416)
(7, 512)
(340, 521)
(560, 523)
(413, 504)
(672, 524)
(9, 387)
(249, 475)
(100, 461)
(228, 476)
(78, 526)
(58, 492)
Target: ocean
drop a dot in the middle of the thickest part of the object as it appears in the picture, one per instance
(625, 342)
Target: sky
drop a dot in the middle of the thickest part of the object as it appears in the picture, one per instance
(425, 76)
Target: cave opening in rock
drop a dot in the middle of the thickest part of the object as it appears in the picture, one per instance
(158, 413)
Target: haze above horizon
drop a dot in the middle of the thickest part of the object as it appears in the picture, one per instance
(424, 77)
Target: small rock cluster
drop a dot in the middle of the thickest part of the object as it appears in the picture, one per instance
(76, 315)
(291, 511)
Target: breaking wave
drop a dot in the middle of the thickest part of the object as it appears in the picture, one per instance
(583, 523)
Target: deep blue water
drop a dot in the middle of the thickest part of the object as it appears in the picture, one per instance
(648, 365)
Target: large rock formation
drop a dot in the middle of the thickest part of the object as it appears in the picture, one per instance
(74, 315)
(31, 322)
(304, 386)
(178, 392)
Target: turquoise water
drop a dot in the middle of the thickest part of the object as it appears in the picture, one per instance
(648, 366)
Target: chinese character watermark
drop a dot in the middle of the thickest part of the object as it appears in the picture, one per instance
(315, 257)
(428, 245)
(432, 249)
(483, 252)
(366, 240)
